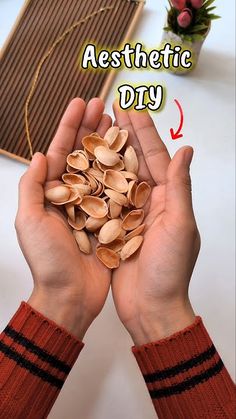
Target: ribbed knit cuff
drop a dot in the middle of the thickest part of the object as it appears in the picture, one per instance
(36, 355)
(186, 377)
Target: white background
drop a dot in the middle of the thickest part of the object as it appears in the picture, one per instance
(105, 382)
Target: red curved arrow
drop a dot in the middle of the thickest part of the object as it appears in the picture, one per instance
(176, 135)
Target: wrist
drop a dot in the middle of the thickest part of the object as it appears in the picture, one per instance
(162, 323)
(60, 308)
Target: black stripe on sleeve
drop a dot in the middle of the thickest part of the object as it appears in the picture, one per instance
(41, 353)
(181, 367)
(28, 365)
(187, 384)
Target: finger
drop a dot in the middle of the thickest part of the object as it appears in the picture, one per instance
(122, 119)
(178, 186)
(63, 142)
(91, 120)
(154, 150)
(31, 187)
(105, 124)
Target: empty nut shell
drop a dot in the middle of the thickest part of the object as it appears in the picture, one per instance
(79, 222)
(136, 232)
(91, 142)
(114, 180)
(94, 206)
(133, 220)
(114, 209)
(108, 257)
(106, 156)
(78, 160)
(142, 194)
(110, 231)
(120, 140)
(73, 179)
(111, 135)
(117, 197)
(82, 241)
(131, 160)
(58, 195)
(93, 224)
(131, 247)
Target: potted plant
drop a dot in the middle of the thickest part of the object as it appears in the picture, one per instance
(188, 24)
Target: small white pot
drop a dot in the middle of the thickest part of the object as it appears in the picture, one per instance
(195, 47)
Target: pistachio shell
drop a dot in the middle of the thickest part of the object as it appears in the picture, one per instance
(79, 222)
(131, 247)
(70, 169)
(58, 195)
(119, 166)
(91, 142)
(78, 160)
(109, 231)
(93, 224)
(114, 180)
(70, 209)
(82, 189)
(142, 194)
(125, 212)
(78, 200)
(111, 135)
(99, 191)
(129, 175)
(116, 245)
(106, 156)
(136, 232)
(133, 220)
(108, 257)
(92, 181)
(116, 197)
(131, 160)
(94, 206)
(120, 140)
(72, 179)
(114, 209)
(122, 234)
(82, 241)
(132, 191)
(96, 173)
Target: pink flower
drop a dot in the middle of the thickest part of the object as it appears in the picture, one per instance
(178, 4)
(197, 4)
(185, 18)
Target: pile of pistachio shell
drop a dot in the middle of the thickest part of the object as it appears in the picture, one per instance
(103, 197)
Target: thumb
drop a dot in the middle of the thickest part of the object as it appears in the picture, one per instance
(31, 187)
(178, 190)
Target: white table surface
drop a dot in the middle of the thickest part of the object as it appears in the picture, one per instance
(105, 382)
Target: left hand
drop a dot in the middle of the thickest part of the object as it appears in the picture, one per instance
(69, 287)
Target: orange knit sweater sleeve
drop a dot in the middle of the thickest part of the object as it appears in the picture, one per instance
(185, 376)
(36, 356)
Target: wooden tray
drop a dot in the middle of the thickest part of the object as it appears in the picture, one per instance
(39, 24)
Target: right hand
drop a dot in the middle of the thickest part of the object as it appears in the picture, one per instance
(150, 290)
(69, 287)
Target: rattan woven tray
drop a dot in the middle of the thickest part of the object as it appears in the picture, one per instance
(39, 24)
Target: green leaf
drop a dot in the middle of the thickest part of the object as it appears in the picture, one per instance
(209, 9)
(197, 37)
(208, 3)
(198, 28)
(213, 17)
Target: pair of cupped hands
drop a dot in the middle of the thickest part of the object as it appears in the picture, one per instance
(150, 290)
